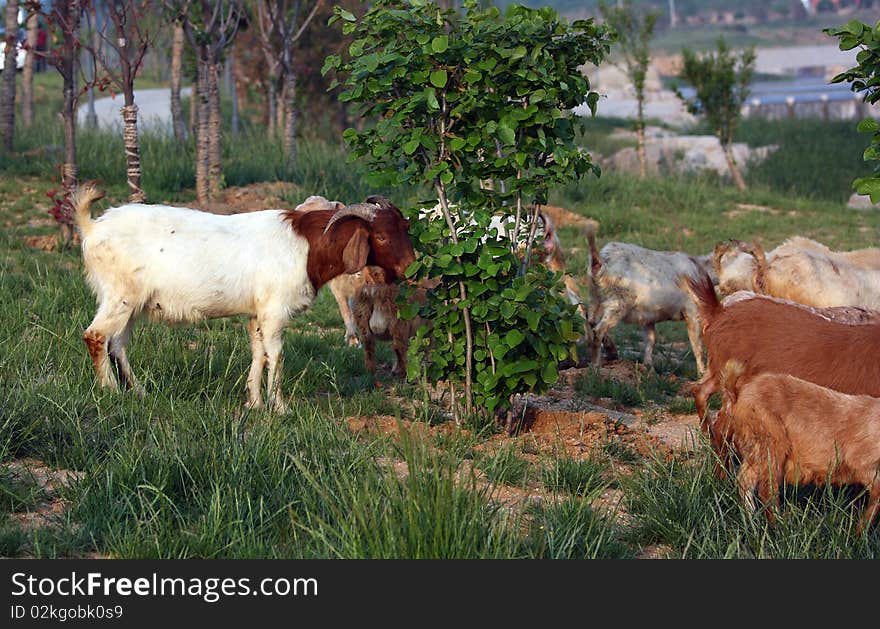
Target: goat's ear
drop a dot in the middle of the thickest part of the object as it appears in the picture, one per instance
(354, 256)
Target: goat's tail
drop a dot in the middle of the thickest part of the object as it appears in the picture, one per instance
(595, 260)
(81, 201)
(730, 375)
(702, 291)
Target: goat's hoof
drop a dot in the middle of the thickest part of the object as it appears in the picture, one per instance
(280, 408)
(353, 341)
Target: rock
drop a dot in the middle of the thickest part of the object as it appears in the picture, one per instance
(861, 202)
(685, 154)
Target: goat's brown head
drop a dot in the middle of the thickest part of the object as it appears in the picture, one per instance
(390, 245)
(348, 239)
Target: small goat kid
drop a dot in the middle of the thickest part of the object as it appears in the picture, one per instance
(375, 312)
(182, 265)
(785, 428)
(631, 284)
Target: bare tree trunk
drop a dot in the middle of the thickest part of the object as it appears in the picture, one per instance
(640, 138)
(279, 108)
(202, 188)
(132, 150)
(91, 114)
(290, 116)
(177, 124)
(235, 123)
(7, 90)
(194, 104)
(215, 165)
(272, 102)
(27, 73)
(69, 171)
(734, 169)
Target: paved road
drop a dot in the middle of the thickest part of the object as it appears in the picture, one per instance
(154, 109)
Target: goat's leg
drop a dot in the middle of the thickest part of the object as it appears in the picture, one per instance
(351, 337)
(694, 336)
(611, 316)
(399, 343)
(258, 362)
(768, 490)
(746, 479)
(701, 392)
(120, 358)
(272, 329)
(369, 342)
(650, 340)
(871, 510)
(109, 321)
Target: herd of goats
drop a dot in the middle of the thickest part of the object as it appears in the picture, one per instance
(793, 347)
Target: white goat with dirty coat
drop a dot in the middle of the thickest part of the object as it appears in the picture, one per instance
(182, 265)
(632, 284)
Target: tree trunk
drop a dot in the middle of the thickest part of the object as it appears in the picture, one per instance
(177, 123)
(132, 149)
(69, 169)
(279, 109)
(194, 104)
(91, 114)
(272, 102)
(235, 123)
(202, 188)
(215, 165)
(290, 116)
(7, 90)
(27, 73)
(640, 138)
(734, 169)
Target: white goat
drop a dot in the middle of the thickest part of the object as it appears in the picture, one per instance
(178, 265)
(631, 284)
(803, 271)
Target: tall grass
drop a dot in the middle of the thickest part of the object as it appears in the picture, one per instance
(814, 159)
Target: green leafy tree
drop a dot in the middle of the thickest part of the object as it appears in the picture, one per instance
(721, 82)
(458, 99)
(865, 77)
(634, 32)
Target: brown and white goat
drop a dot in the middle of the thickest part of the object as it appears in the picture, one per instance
(181, 265)
(631, 284)
(785, 428)
(835, 347)
(374, 307)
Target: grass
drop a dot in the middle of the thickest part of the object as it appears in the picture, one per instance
(188, 472)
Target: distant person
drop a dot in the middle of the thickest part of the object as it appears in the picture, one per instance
(41, 49)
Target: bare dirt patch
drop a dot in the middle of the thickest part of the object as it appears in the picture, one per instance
(43, 243)
(49, 507)
(254, 197)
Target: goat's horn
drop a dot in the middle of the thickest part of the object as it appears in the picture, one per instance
(366, 211)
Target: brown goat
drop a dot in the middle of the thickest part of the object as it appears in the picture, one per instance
(375, 313)
(785, 428)
(833, 347)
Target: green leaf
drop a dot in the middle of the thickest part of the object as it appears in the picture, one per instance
(550, 374)
(439, 78)
(431, 97)
(868, 125)
(514, 338)
(506, 135)
(410, 147)
(440, 43)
